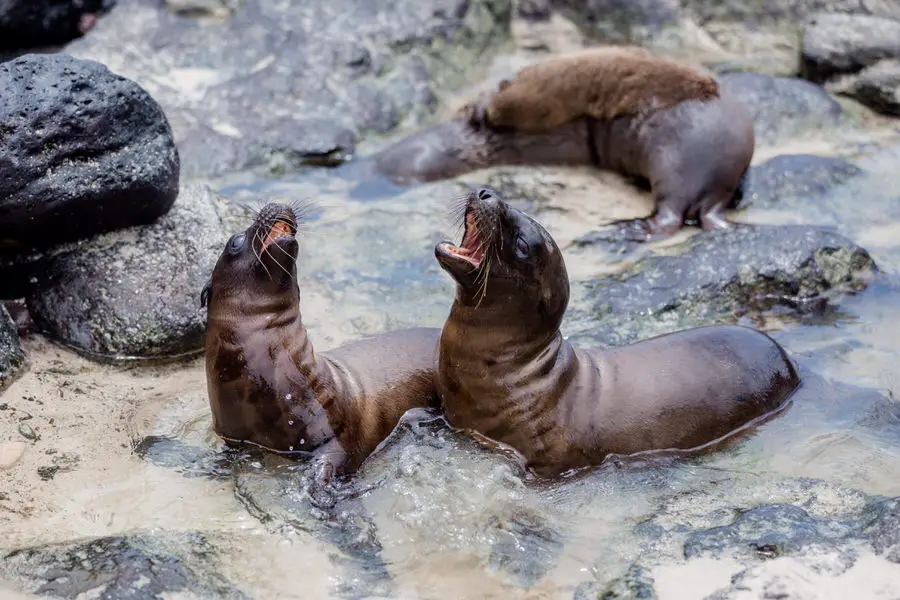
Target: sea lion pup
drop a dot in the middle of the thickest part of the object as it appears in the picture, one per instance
(605, 83)
(622, 109)
(268, 387)
(505, 371)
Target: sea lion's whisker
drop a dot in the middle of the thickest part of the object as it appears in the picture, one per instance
(284, 221)
(484, 283)
(258, 236)
(459, 204)
(280, 266)
(268, 244)
(302, 207)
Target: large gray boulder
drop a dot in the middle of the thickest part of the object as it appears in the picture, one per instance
(837, 43)
(783, 107)
(135, 293)
(878, 87)
(284, 83)
(723, 274)
(139, 566)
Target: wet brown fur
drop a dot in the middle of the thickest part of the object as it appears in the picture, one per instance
(604, 83)
(505, 371)
(268, 387)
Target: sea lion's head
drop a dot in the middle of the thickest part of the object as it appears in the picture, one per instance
(506, 259)
(258, 263)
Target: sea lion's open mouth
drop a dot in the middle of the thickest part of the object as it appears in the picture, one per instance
(471, 249)
(284, 226)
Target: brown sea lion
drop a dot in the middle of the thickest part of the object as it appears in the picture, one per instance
(605, 83)
(268, 387)
(693, 153)
(505, 371)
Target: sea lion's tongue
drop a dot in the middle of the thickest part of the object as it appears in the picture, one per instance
(471, 246)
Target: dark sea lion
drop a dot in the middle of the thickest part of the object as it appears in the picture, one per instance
(505, 371)
(693, 153)
(266, 384)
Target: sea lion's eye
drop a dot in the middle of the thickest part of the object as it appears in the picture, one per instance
(522, 249)
(237, 242)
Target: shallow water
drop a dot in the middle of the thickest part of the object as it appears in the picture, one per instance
(435, 512)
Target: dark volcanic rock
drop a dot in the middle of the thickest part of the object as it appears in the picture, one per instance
(129, 568)
(878, 87)
(11, 357)
(835, 43)
(621, 21)
(282, 492)
(724, 273)
(26, 24)
(190, 461)
(533, 10)
(135, 293)
(768, 532)
(789, 179)
(783, 107)
(635, 584)
(883, 530)
(317, 73)
(82, 151)
(822, 524)
(525, 547)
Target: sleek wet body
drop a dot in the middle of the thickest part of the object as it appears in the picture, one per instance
(267, 385)
(693, 154)
(505, 371)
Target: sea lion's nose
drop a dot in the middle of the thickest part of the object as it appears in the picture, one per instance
(487, 195)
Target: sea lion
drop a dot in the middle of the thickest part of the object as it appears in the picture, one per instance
(694, 153)
(268, 387)
(605, 83)
(505, 371)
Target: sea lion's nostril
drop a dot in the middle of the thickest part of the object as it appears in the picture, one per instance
(486, 194)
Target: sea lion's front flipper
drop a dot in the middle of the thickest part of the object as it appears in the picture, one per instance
(330, 462)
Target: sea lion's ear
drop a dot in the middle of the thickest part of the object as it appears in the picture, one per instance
(504, 83)
(205, 294)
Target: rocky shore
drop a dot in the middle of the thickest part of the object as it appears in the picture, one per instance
(136, 136)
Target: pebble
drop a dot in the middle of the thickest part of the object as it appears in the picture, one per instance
(10, 454)
(28, 432)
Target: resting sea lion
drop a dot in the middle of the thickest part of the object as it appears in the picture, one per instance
(505, 371)
(604, 83)
(625, 110)
(266, 384)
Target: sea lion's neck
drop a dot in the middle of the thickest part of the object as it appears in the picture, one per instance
(266, 384)
(492, 365)
(494, 329)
